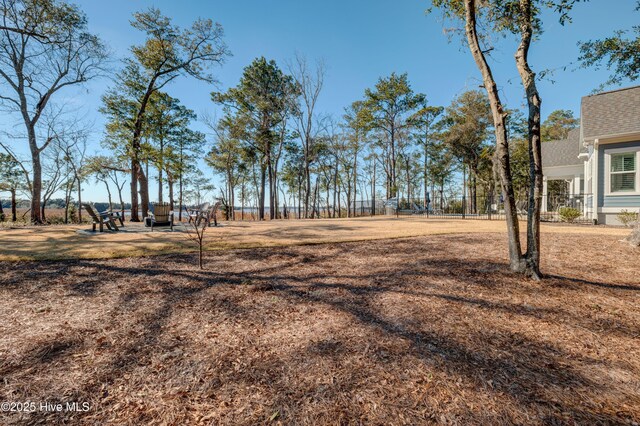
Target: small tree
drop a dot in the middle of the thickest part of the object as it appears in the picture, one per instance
(196, 231)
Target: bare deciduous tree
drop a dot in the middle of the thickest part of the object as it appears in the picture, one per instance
(310, 82)
(33, 68)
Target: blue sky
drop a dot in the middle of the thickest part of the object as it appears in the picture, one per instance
(359, 41)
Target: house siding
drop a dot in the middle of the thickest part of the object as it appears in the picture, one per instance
(618, 200)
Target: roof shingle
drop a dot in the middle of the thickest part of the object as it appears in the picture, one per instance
(563, 152)
(611, 113)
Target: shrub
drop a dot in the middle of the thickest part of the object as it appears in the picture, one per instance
(627, 218)
(569, 214)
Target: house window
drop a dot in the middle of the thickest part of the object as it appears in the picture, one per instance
(623, 172)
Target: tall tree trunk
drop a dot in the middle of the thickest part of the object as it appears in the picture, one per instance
(79, 183)
(335, 187)
(307, 176)
(160, 178)
(67, 202)
(299, 198)
(474, 190)
(516, 259)
(108, 195)
(425, 171)
(534, 102)
(263, 182)
(180, 196)
(136, 149)
(37, 215)
(408, 181)
(373, 190)
(134, 191)
(14, 206)
(273, 207)
(122, 205)
(355, 179)
(393, 190)
(242, 200)
(316, 199)
(143, 181)
(170, 185)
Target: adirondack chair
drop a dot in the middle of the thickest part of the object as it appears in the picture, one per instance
(161, 216)
(212, 214)
(100, 219)
(116, 216)
(196, 212)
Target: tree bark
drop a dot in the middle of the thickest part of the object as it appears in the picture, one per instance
(108, 195)
(14, 206)
(134, 191)
(144, 192)
(263, 178)
(78, 181)
(373, 190)
(355, 176)
(160, 178)
(307, 195)
(180, 184)
(170, 185)
(516, 259)
(528, 77)
(426, 168)
(135, 148)
(393, 184)
(37, 215)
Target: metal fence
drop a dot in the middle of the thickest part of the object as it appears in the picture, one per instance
(556, 207)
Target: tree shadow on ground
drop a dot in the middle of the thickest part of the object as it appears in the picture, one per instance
(530, 374)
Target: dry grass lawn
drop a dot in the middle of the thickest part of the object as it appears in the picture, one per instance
(63, 242)
(424, 330)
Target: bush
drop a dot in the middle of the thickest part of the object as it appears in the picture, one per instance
(569, 214)
(73, 213)
(627, 218)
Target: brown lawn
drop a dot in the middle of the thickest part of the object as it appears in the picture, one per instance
(429, 329)
(64, 242)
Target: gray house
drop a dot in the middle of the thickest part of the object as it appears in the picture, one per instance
(600, 161)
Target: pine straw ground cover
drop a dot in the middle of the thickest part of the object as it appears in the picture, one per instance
(407, 331)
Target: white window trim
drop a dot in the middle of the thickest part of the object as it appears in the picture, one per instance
(607, 171)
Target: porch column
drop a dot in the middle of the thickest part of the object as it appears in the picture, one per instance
(544, 194)
(576, 185)
(594, 180)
